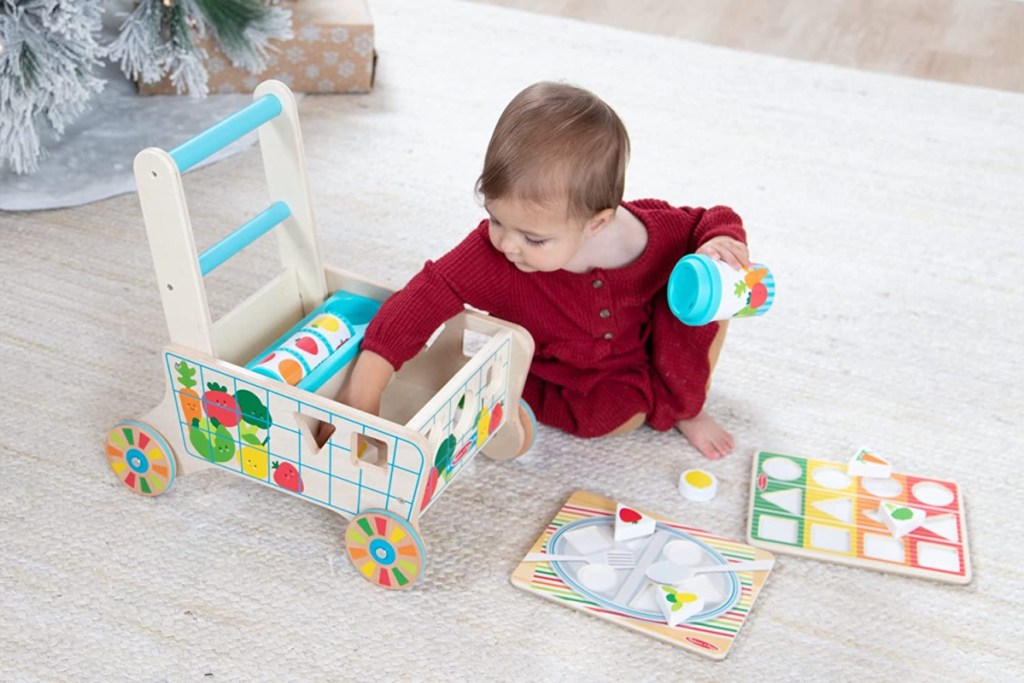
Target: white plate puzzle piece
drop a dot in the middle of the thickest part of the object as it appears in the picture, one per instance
(867, 463)
(630, 523)
(707, 625)
(900, 520)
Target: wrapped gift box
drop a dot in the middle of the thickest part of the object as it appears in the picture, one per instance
(331, 51)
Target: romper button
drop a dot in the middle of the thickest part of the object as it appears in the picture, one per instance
(608, 335)
(604, 313)
(597, 284)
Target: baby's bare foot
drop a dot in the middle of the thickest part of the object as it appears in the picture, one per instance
(706, 435)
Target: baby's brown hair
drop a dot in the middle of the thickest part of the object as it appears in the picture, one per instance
(557, 142)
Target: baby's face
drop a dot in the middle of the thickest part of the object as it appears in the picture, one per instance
(536, 238)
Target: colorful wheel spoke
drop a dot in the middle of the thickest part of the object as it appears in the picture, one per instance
(364, 523)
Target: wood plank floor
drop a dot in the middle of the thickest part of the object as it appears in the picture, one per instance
(973, 42)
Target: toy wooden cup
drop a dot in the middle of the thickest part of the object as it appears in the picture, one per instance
(701, 290)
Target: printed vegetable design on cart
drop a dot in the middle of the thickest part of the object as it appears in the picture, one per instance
(211, 419)
(755, 289)
(447, 457)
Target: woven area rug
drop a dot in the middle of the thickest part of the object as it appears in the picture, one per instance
(889, 210)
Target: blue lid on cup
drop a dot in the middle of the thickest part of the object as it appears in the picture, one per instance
(694, 290)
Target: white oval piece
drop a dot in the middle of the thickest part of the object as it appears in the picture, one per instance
(598, 577)
(932, 493)
(684, 553)
(831, 478)
(781, 468)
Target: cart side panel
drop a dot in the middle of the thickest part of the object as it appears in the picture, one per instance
(263, 430)
(464, 415)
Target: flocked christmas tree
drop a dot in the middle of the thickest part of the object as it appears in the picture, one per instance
(160, 38)
(49, 48)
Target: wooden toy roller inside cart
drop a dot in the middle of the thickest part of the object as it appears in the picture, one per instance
(248, 393)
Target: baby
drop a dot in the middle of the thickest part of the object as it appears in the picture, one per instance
(562, 255)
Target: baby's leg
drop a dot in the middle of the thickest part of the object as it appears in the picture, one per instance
(630, 425)
(702, 431)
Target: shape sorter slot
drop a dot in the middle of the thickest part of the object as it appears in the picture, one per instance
(585, 524)
(814, 508)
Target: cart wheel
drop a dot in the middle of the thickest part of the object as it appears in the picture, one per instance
(385, 549)
(140, 458)
(529, 423)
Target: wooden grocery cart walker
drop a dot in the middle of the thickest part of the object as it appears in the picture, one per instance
(223, 409)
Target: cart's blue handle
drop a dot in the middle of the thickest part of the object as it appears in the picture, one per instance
(243, 236)
(223, 133)
(211, 141)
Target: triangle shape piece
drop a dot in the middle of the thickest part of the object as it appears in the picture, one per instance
(790, 500)
(944, 526)
(837, 508)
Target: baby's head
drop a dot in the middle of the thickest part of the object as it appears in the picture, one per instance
(555, 166)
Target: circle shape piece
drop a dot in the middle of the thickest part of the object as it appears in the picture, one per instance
(597, 577)
(684, 553)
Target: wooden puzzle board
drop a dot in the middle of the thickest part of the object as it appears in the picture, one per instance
(710, 633)
(813, 508)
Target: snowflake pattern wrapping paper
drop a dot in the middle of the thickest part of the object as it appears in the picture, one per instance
(331, 51)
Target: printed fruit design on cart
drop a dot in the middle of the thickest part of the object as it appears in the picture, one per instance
(755, 289)
(212, 419)
(447, 457)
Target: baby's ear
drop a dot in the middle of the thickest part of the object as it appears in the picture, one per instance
(598, 222)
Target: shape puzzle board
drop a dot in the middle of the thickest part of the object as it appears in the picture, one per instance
(629, 602)
(815, 509)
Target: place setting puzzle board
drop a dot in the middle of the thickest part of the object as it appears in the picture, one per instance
(814, 508)
(628, 602)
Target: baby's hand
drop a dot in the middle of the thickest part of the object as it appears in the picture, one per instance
(726, 249)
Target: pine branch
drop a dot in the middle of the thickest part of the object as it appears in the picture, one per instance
(158, 39)
(48, 49)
